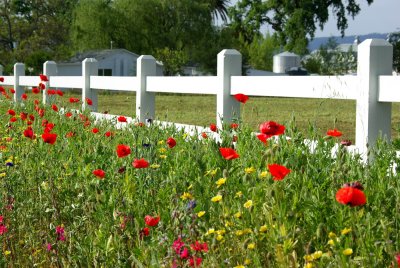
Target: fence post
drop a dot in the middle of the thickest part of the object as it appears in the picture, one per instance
(1, 69)
(49, 69)
(145, 101)
(229, 64)
(373, 118)
(90, 66)
(19, 70)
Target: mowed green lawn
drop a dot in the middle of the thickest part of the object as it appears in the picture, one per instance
(200, 110)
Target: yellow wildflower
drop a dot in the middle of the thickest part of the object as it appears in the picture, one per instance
(228, 223)
(220, 232)
(239, 194)
(161, 142)
(216, 198)
(247, 261)
(248, 204)
(239, 233)
(7, 252)
(220, 237)
(238, 214)
(332, 235)
(163, 156)
(162, 150)
(239, 266)
(263, 229)
(220, 182)
(309, 265)
(186, 196)
(212, 172)
(347, 251)
(45, 185)
(201, 214)
(190, 186)
(210, 231)
(249, 170)
(317, 254)
(2, 175)
(331, 242)
(263, 175)
(308, 258)
(251, 246)
(154, 166)
(346, 231)
(247, 231)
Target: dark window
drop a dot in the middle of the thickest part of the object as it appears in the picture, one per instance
(105, 72)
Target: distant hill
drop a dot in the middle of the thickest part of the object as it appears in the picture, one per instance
(317, 42)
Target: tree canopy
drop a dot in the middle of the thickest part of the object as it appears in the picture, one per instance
(293, 21)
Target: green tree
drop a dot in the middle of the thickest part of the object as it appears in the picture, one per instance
(261, 52)
(293, 21)
(394, 39)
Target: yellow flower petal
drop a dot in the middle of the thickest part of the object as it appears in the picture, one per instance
(201, 214)
(347, 251)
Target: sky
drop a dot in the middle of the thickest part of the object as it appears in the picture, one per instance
(382, 16)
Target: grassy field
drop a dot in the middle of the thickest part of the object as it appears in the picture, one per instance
(200, 110)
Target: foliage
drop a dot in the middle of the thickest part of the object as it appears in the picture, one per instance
(31, 26)
(328, 60)
(173, 60)
(60, 209)
(394, 39)
(261, 52)
(293, 22)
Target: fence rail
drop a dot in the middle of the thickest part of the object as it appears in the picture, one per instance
(373, 88)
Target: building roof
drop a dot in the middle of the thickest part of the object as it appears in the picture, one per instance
(98, 54)
(347, 47)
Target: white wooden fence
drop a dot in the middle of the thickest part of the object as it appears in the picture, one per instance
(374, 88)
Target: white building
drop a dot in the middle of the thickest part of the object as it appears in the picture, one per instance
(112, 62)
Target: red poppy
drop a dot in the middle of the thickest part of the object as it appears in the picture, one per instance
(213, 128)
(151, 221)
(49, 127)
(43, 78)
(171, 142)
(228, 153)
(99, 173)
(23, 115)
(262, 137)
(41, 112)
(70, 134)
(108, 134)
(197, 246)
(145, 231)
(73, 100)
(351, 196)
(29, 123)
(95, 130)
(204, 135)
(59, 92)
(278, 172)
(36, 102)
(195, 261)
(51, 92)
(234, 126)
(140, 163)
(44, 122)
(12, 91)
(29, 133)
(54, 107)
(334, 133)
(184, 254)
(1, 79)
(11, 112)
(123, 150)
(31, 117)
(241, 98)
(13, 119)
(35, 90)
(122, 119)
(68, 114)
(398, 259)
(49, 138)
(42, 86)
(89, 101)
(2, 90)
(271, 128)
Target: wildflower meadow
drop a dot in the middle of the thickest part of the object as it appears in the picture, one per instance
(80, 192)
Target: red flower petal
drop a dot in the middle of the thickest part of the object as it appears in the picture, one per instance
(351, 196)
(228, 153)
(241, 98)
(278, 172)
